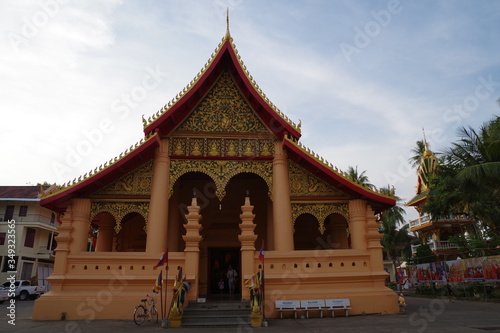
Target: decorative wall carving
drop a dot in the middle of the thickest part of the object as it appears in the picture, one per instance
(224, 110)
(221, 171)
(221, 147)
(135, 182)
(303, 183)
(119, 210)
(320, 211)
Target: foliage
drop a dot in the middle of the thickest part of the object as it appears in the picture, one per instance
(468, 177)
(477, 245)
(359, 177)
(424, 255)
(418, 153)
(396, 237)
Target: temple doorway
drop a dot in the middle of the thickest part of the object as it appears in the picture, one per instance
(221, 260)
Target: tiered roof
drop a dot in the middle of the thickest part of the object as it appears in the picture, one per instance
(164, 121)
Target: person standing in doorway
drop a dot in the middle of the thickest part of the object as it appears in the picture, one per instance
(231, 279)
(221, 285)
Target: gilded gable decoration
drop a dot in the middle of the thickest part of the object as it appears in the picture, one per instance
(118, 210)
(303, 183)
(221, 147)
(132, 183)
(223, 110)
(320, 211)
(221, 171)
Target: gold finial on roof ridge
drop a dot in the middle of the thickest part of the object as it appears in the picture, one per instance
(228, 34)
(427, 152)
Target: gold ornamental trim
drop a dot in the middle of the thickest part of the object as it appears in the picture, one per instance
(136, 182)
(119, 210)
(380, 192)
(320, 211)
(224, 109)
(221, 172)
(303, 184)
(180, 95)
(221, 147)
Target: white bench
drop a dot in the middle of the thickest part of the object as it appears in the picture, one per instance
(338, 304)
(313, 304)
(286, 305)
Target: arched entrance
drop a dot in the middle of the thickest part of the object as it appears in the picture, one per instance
(337, 231)
(132, 235)
(220, 246)
(306, 235)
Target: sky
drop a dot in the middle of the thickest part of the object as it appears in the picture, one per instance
(364, 77)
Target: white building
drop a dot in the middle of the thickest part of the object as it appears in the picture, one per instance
(35, 229)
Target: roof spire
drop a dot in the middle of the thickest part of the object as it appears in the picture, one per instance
(427, 151)
(228, 35)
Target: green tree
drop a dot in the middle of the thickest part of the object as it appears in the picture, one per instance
(424, 255)
(395, 232)
(361, 178)
(469, 176)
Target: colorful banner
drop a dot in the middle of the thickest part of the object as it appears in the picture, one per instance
(483, 269)
(491, 268)
(454, 271)
(438, 272)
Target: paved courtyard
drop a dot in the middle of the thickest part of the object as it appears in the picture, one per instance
(422, 315)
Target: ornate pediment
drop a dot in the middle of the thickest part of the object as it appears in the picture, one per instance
(223, 109)
(303, 183)
(136, 182)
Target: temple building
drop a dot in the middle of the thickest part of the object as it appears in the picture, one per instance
(431, 230)
(219, 172)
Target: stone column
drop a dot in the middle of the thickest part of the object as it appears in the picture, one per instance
(192, 250)
(80, 211)
(247, 239)
(270, 226)
(282, 207)
(106, 233)
(156, 242)
(357, 218)
(62, 250)
(373, 237)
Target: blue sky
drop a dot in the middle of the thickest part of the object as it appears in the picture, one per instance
(363, 76)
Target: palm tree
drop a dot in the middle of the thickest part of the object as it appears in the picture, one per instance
(359, 177)
(478, 154)
(395, 231)
(418, 152)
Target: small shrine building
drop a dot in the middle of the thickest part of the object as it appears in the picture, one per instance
(220, 171)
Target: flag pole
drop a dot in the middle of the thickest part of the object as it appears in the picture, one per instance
(263, 286)
(166, 280)
(164, 319)
(161, 298)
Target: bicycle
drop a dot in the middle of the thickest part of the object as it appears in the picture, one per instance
(141, 311)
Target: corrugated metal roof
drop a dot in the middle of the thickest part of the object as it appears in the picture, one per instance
(20, 192)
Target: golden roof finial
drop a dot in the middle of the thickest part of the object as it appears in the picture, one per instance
(427, 151)
(228, 35)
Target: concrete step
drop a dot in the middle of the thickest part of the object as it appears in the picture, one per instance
(217, 314)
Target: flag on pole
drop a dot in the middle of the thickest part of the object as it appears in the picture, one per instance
(178, 278)
(261, 254)
(254, 282)
(158, 283)
(400, 276)
(163, 260)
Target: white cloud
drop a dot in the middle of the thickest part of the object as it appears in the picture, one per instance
(367, 112)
